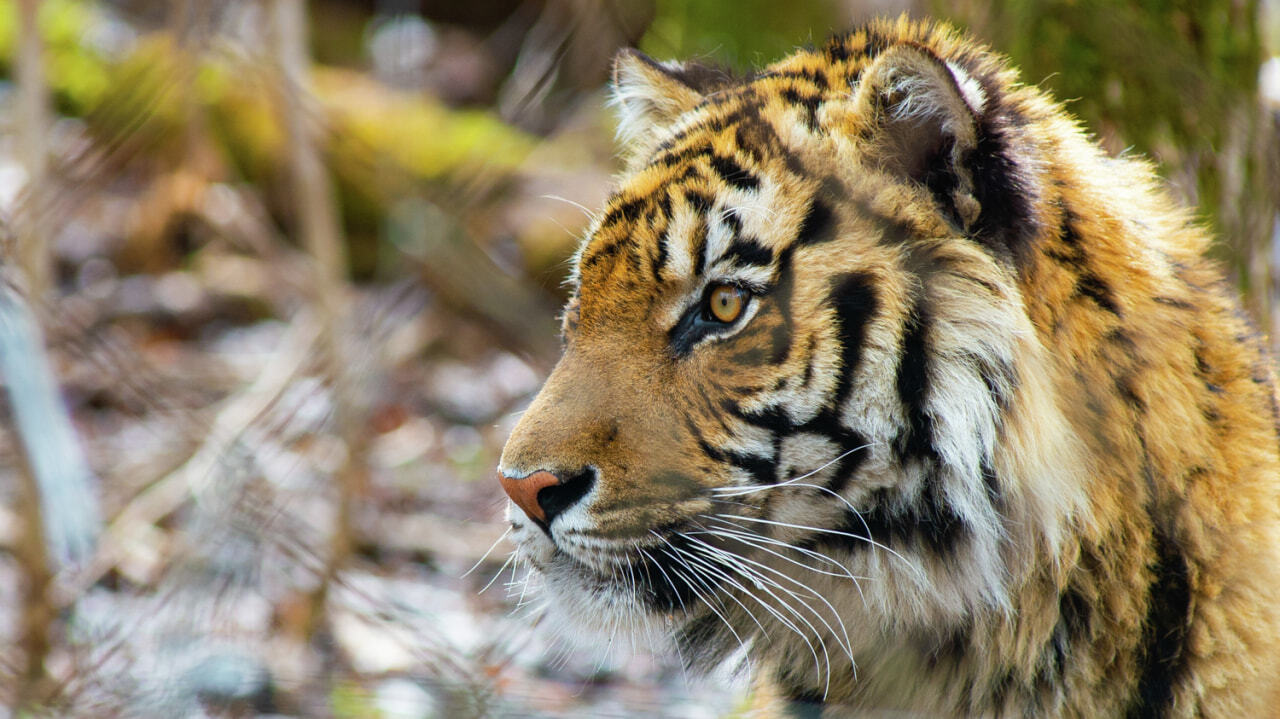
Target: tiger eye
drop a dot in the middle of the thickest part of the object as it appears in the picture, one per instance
(727, 302)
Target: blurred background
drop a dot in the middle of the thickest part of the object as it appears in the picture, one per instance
(276, 278)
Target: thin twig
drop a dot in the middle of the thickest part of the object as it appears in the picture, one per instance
(315, 211)
(32, 142)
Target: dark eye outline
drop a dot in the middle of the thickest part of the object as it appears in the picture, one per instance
(697, 323)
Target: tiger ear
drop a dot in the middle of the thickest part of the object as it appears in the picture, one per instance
(921, 116)
(651, 94)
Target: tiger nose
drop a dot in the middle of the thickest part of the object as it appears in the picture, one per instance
(543, 495)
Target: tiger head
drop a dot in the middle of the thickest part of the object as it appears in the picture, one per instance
(798, 373)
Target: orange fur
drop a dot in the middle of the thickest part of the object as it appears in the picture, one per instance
(973, 335)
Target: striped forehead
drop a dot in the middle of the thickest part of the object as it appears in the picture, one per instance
(711, 197)
(719, 158)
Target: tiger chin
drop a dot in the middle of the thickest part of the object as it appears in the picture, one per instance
(881, 374)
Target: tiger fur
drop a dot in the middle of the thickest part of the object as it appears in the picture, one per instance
(990, 436)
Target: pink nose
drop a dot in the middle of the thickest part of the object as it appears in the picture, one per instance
(524, 492)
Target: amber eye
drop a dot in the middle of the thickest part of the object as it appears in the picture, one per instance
(725, 303)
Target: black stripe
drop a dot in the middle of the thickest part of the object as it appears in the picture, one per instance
(1092, 286)
(828, 424)
(1006, 222)
(761, 469)
(751, 139)
(951, 647)
(663, 212)
(814, 75)
(927, 520)
(750, 357)
(875, 43)
(661, 581)
(746, 251)
(780, 339)
(673, 157)
(716, 123)
(1075, 614)
(938, 524)
(773, 419)
(601, 253)
(938, 175)
(628, 210)
(807, 102)
(733, 173)
(1164, 631)
(698, 248)
(804, 701)
(660, 259)
(854, 298)
(700, 201)
(690, 137)
(838, 48)
(701, 205)
(704, 640)
(818, 224)
(810, 355)
(1126, 389)
(913, 387)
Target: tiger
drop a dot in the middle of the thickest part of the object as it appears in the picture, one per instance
(882, 379)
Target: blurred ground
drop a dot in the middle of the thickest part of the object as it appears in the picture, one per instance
(295, 312)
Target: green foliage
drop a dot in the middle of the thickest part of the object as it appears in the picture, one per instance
(1157, 71)
(82, 78)
(352, 701)
(741, 34)
(380, 142)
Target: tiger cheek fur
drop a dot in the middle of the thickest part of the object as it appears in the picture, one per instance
(975, 430)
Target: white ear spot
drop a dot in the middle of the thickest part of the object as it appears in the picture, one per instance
(969, 88)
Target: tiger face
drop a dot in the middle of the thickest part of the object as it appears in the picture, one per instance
(781, 358)
(810, 406)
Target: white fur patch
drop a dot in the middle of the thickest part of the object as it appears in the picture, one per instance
(972, 92)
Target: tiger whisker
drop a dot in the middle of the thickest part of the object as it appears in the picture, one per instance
(706, 586)
(689, 583)
(847, 646)
(710, 569)
(759, 581)
(486, 554)
(768, 212)
(654, 562)
(510, 558)
(710, 590)
(823, 530)
(742, 534)
(732, 491)
(713, 571)
(635, 585)
(524, 588)
(858, 513)
(591, 216)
